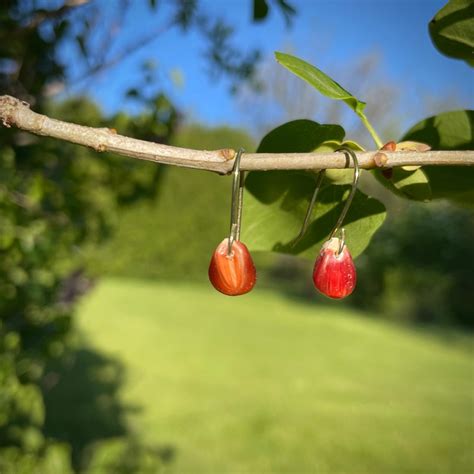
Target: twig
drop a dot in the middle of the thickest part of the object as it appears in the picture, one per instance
(14, 112)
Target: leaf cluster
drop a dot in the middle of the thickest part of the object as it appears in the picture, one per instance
(276, 207)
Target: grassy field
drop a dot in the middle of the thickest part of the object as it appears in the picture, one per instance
(265, 384)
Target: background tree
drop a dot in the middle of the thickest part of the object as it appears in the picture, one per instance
(57, 198)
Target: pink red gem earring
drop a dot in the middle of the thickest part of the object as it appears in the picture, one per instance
(334, 272)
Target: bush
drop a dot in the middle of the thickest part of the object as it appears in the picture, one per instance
(54, 199)
(419, 267)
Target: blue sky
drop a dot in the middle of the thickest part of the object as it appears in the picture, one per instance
(328, 34)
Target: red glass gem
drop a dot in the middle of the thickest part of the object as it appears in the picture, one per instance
(334, 274)
(232, 274)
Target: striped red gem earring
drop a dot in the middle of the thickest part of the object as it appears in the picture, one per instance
(231, 270)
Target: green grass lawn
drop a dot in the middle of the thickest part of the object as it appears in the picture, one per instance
(266, 384)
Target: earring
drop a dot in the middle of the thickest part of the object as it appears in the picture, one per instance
(334, 272)
(231, 270)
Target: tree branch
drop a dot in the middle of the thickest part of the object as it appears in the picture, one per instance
(14, 112)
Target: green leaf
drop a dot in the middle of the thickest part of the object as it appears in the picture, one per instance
(452, 30)
(353, 145)
(277, 200)
(339, 176)
(319, 80)
(299, 136)
(260, 10)
(448, 131)
(413, 184)
(410, 184)
(272, 223)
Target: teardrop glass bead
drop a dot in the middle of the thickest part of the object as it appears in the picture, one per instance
(334, 273)
(232, 274)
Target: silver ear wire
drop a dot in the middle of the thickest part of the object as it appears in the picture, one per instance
(349, 200)
(236, 201)
(347, 205)
(309, 211)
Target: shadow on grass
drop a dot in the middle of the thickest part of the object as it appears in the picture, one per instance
(83, 409)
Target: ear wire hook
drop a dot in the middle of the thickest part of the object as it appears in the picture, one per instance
(309, 211)
(349, 199)
(348, 203)
(236, 201)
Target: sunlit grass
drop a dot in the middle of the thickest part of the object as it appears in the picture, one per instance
(264, 384)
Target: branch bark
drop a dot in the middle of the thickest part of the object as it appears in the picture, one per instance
(14, 112)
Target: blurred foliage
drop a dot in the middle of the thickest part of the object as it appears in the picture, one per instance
(174, 235)
(261, 8)
(54, 198)
(201, 137)
(419, 267)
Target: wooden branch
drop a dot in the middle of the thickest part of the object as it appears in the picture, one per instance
(14, 112)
